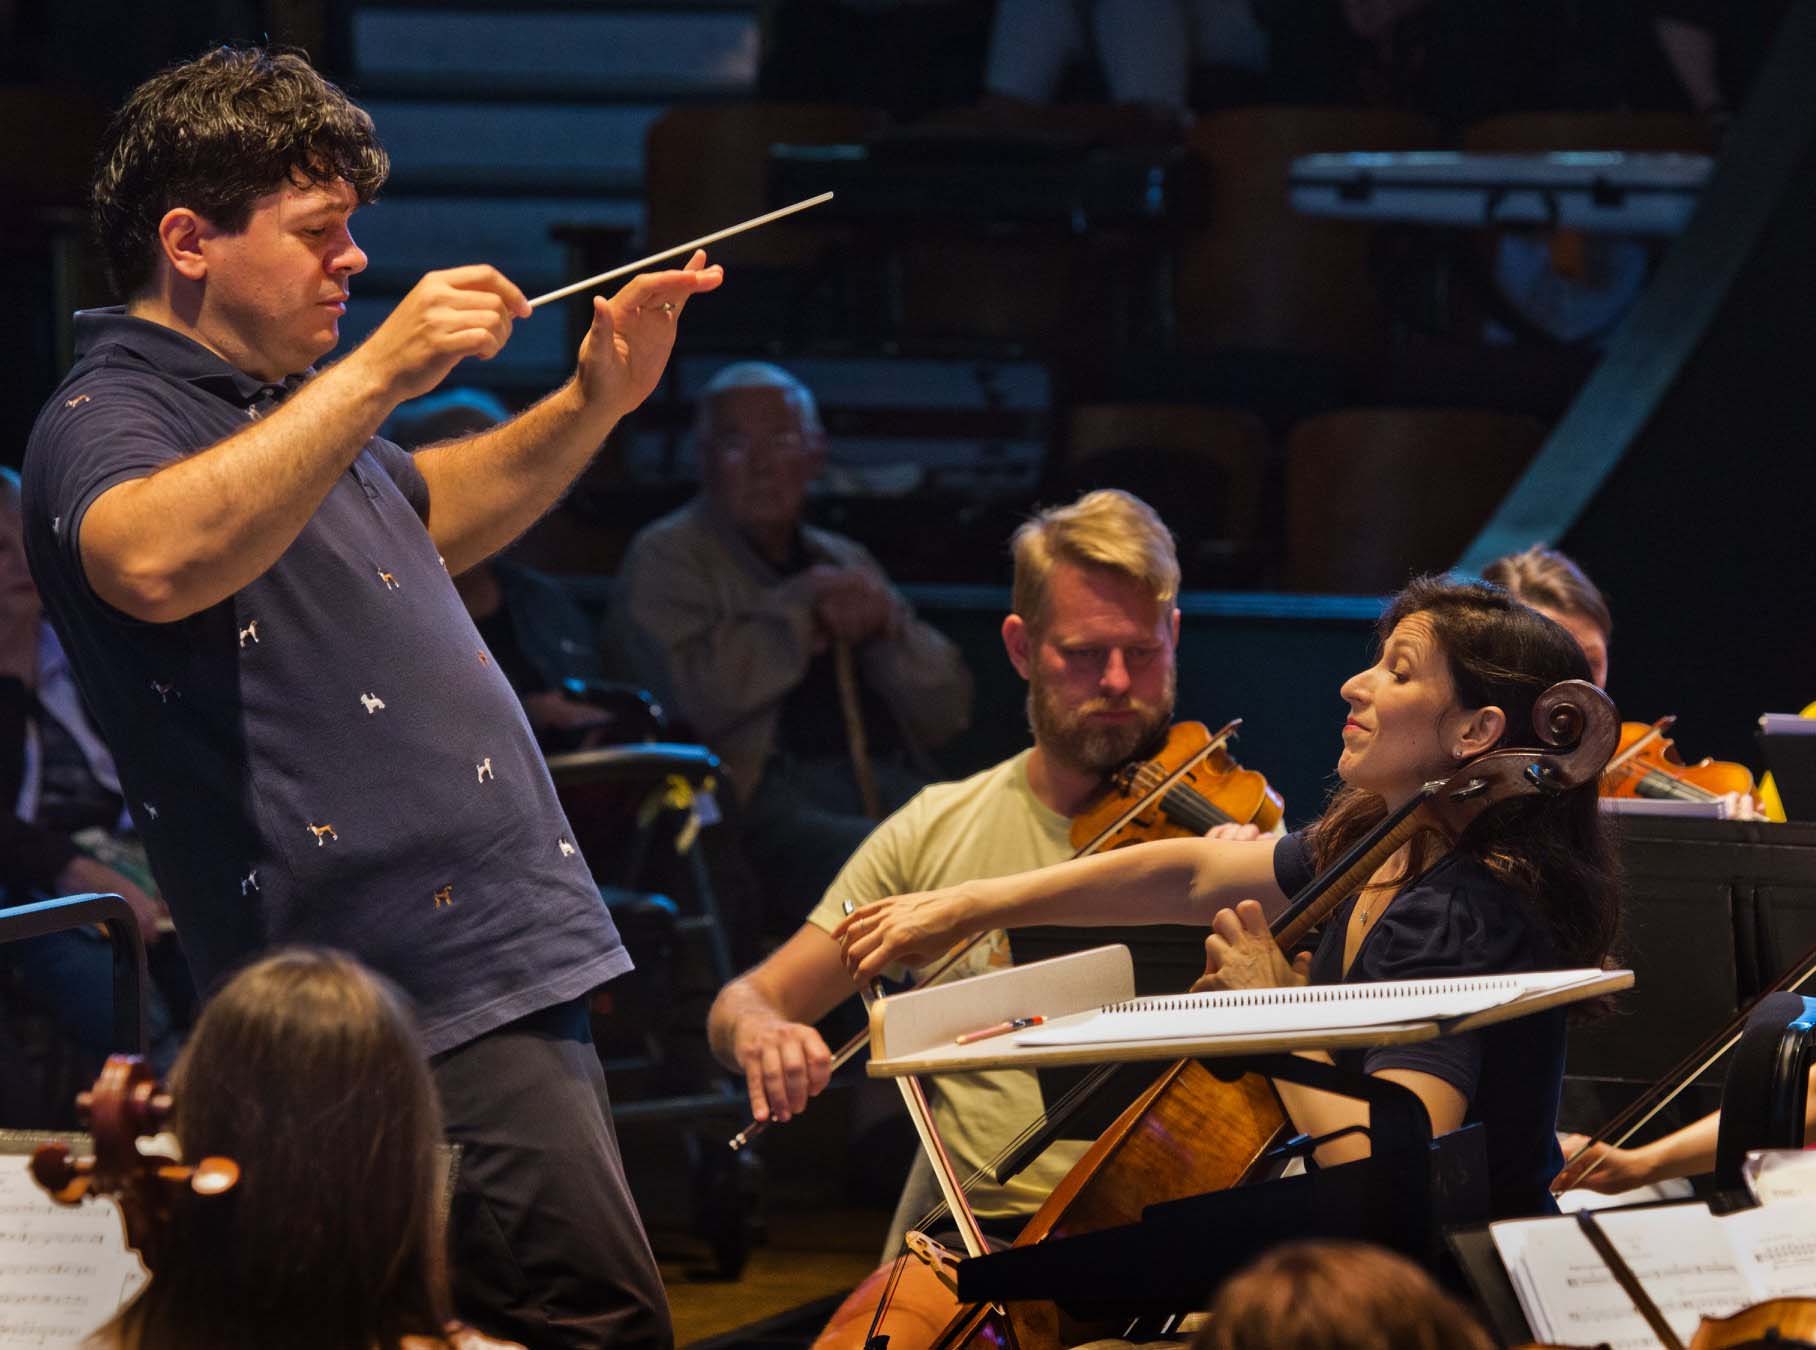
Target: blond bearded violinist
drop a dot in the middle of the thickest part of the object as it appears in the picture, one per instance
(1093, 633)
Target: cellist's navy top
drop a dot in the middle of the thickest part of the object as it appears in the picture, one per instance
(1457, 918)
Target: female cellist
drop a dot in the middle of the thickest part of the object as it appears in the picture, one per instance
(1528, 886)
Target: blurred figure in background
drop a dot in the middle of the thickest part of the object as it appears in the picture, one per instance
(785, 647)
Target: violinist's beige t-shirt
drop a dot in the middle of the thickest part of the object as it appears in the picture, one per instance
(988, 825)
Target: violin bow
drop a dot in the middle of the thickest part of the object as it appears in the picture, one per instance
(1692, 1066)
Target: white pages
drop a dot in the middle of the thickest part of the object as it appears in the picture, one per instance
(1311, 1007)
(1691, 1263)
(64, 1270)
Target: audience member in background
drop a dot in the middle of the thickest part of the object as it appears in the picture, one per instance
(61, 814)
(1457, 60)
(520, 613)
(1146, 48)
(1337, 1296)
(784, 647)
(307, 1071)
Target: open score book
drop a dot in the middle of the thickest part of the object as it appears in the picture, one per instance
(1088, 1015)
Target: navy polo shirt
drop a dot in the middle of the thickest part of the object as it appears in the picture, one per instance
(330, 755)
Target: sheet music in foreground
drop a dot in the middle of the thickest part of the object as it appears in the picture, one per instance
(1310, 1007)
(64, 1270)
(1693, 1264)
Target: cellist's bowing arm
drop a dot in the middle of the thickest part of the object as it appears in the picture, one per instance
(1166, 881)
(1317, 1114)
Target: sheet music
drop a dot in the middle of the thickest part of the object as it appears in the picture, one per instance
(1691, 1263)
(64, 1270)
(1303, 1008)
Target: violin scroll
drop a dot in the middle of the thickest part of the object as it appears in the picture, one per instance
(125, 1105)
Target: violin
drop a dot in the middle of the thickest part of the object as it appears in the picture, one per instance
(1185, 787)
(1647, 764)
(124, 1106)
(1160, 1148)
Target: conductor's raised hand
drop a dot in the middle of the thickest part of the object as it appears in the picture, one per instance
(784, 1064)
(904, 929)
(446, 317)
(624, 352)
(1241, 953)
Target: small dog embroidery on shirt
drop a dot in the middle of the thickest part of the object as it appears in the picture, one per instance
(250, 882)
(250, 633)
(151, 812)
(372, 703)
(323, 833)
(484, 660)
(445, 896)
(77, 401)
(164, 691)
(389, 580)
(567, 849)
(484, 770)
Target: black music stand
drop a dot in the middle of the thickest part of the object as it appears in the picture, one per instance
(1402, 1197)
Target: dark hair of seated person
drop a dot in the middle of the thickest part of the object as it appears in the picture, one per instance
(1552, 848)
(307, 1071)
(1336, 1296)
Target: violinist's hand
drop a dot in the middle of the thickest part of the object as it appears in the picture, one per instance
(1241, 953)
(625, 350)
(906, 929)
(1233, 830)
(1741, 806)
(1618, 1169)
(784, 1064)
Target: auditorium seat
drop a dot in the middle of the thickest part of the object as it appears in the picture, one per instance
(1374, 495)
(1260, 276)
(706, 165)
(1203, 468)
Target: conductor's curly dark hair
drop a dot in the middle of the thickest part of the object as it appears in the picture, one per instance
(215, 134)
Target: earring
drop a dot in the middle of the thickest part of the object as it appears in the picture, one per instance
(1458, 752)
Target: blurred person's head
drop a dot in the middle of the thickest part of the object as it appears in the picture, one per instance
(307, 1071)
(1094, 627)
(1336, 1296)
(222, 198)
(445, 415)
(1560, 590)
(760, 443)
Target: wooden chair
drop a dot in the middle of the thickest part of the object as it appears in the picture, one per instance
(1259, 275)
(1376, 495)
(1537, 133)
(706, 165)
(1202, 468)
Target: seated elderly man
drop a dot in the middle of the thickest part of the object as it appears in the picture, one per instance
(784, 646)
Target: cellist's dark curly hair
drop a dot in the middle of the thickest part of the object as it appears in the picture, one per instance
(1553, 849)
(215, 134)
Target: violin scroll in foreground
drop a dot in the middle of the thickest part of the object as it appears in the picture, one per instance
(124, 1106)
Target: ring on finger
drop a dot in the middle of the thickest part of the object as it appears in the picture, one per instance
(668, 308)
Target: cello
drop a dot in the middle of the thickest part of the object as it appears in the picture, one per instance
(1141, 1158)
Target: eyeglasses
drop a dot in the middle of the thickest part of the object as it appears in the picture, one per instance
(777, 445)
